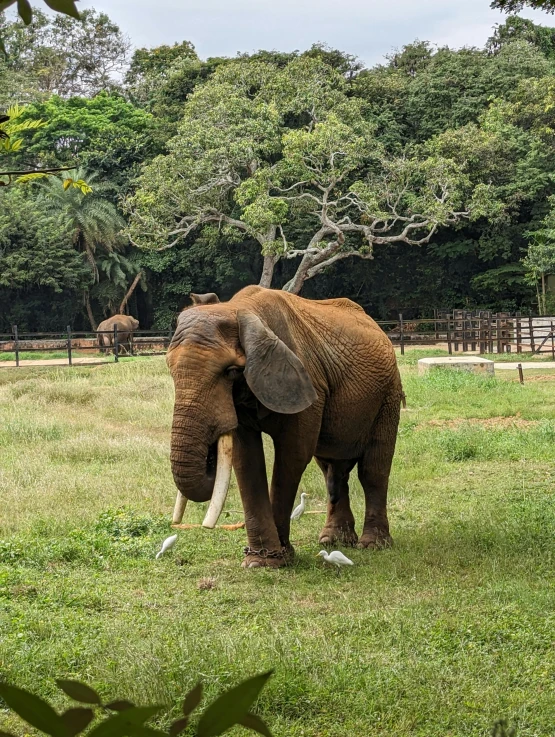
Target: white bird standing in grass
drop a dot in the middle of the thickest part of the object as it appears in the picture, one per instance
(168, 543)
(299, 511)
(335, 558)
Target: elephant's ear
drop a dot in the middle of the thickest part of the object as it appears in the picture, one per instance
(204, 299)
(273, 372)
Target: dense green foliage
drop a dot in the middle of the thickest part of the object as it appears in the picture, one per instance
(420, 183)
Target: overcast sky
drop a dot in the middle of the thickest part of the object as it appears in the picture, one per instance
(367, 28)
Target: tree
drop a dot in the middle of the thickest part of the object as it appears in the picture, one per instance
(540, 258)
(517, 28)
(515, 6)
(263, 151)
(41, 274)
(93, 222)
(12, 125)
(104, 134)
(63, 56)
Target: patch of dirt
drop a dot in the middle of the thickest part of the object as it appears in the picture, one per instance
(489, 423)
(539, 377)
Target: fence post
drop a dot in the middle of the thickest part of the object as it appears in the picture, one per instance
(402, 336)
(518, 334)
(552, 342)
(490, 333)
(449, 344)
(69, 357)
(116, 346)
(130, 344)
(532, 344)
(16, 342)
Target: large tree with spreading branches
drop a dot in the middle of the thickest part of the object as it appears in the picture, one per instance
(286, 156)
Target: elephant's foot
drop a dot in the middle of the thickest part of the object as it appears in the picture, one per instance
(345, 534)
(375, 538)
(264, 558)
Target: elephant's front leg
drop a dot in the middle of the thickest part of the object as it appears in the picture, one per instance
(264, 548)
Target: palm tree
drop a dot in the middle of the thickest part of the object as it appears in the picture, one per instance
(94, 221)
(114, 289)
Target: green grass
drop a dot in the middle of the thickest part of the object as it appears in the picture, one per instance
(442, 635)
(33, 355)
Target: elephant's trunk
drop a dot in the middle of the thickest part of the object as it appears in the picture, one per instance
(202, 478)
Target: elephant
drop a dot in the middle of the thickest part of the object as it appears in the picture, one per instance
(319, 377)
(105, 332)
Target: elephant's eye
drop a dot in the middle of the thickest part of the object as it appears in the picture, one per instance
(234, 372)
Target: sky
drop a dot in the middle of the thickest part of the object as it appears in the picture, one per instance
(368, 29)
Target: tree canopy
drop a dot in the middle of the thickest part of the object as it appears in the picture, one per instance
(422, 182)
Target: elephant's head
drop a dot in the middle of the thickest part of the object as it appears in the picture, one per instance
(217, 346)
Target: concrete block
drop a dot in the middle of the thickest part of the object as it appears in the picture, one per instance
(465, 363)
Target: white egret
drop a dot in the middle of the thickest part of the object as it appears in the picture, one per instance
(335, 558)
(299, 511)
(168, 543)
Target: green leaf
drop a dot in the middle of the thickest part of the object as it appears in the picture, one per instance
(137, 730)
(67, 183)
(64, 6)
(120, 705)
(254, 722)
(178, 726)
(25, 11)
(33, 710)
(79, 692)
(122, 723)
(192, 700)
(6, 734)
(77, 719)
(232, 706)
(2, 47)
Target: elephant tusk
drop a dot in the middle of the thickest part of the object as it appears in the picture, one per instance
(179, 509)
(221, 484)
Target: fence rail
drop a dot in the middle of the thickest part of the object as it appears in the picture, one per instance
(480, 331)
(83, 343)
(458, 330)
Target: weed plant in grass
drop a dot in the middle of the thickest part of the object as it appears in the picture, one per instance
(444, 634)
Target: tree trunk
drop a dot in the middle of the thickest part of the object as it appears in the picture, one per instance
(89, 310)
(268, 271)
(129, 293)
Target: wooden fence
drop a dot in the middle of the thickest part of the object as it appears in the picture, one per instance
(456, 331)
(141, 343)
(479, 331)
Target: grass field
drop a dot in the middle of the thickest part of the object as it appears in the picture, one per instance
(442, 635)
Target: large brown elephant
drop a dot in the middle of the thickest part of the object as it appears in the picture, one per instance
(320, 378)
(105, 331)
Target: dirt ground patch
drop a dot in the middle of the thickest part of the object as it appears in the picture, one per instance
(490, 423)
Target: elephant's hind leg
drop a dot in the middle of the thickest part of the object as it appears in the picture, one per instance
(340, 522)
(373, 472)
